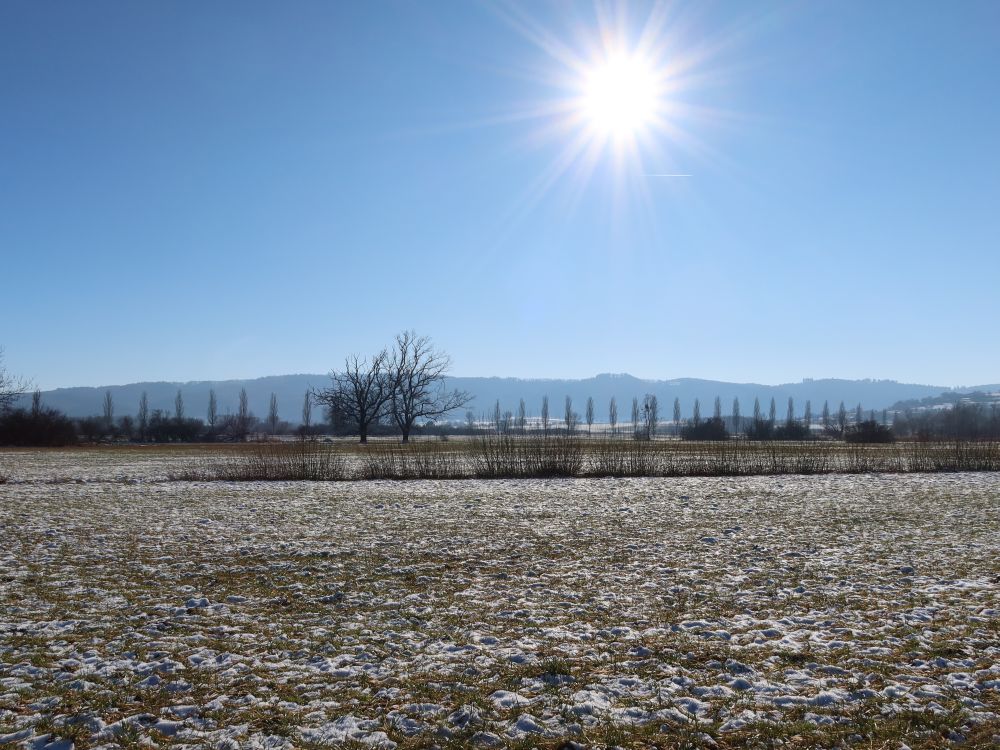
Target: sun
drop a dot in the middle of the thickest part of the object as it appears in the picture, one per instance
(620, 96)
(612, 93)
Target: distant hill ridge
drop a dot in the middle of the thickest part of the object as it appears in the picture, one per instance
(290, 389)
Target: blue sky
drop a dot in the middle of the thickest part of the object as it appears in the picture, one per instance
(217, 190)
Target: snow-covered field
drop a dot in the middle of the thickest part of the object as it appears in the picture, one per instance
(819, 611)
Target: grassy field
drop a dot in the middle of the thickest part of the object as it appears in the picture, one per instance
(805, 611)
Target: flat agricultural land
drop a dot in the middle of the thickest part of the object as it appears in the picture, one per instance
(689, 612)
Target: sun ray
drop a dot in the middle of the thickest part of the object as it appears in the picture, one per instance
(613, 90)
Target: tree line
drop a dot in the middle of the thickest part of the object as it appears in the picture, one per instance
(401, 391)
(644, 422)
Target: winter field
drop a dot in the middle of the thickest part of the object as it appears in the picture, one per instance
(822, 611)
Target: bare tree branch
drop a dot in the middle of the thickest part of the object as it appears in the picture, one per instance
(11, 387)
(272, 414)
(307, 411)
(417, 372)
(360, 393)
(243, 418)
(109, 410)
(651, 415)
(213, 409)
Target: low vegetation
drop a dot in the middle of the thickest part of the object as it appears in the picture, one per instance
(40, 427)
(505, 456)
(301, 460)
(869, 432)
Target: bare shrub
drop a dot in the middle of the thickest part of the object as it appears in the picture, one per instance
(869, 432)
(629, 458)
(385, 460)
(507, 456)
(302, 460)
(710, 429)
(510, 455)
(950, 457)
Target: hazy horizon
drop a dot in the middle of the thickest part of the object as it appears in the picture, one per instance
(46, 385)
(462, 375)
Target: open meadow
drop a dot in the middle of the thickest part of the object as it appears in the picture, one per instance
(854, 610)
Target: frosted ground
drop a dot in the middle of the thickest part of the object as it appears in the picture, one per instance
(819, 611)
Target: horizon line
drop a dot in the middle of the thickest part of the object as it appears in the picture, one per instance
(801, 381)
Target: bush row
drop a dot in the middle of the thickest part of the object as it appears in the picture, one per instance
(513, 457)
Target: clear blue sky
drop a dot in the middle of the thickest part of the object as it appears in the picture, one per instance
(213, 190)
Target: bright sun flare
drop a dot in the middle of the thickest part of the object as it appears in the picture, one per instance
(614, 104)
(620, 96)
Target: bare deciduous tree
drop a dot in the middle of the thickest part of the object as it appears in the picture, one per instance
(213, 409)
(11, 387)
(651, 415)
(590, 414)
(417, 373)
(497, 418)
(109, 410)
(635, 416)
(143, 416)
(807, 416)
(696, 417)
(243, 417)
(570, 417)
(179, 406)
(825, 417)
(790, 415)
(842, 418)
(772, 413)
(522, 416)
(717, 409)
(736, 414)
(613, 415)
(545, 415)
(361, 392)
(272, 414)
(307, 411)
(126, 426)
(677, 415)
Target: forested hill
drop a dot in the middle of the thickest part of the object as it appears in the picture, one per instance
(289, 389)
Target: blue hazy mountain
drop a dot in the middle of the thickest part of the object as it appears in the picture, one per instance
(290, 390)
